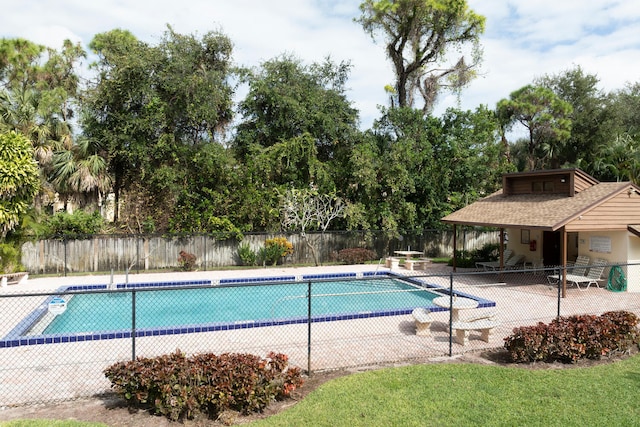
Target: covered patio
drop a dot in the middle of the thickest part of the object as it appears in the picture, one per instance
(552, 216)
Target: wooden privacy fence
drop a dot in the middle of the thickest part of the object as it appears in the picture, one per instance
(103, 253)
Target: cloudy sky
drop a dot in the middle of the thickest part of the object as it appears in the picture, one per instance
(524, 39)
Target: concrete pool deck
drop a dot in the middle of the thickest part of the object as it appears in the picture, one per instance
(39, 373)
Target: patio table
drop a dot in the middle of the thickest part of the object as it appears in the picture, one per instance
(407, 254)
(459, 303)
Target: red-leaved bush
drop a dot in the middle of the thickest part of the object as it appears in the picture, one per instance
(569, 339)
(178, 387)
(356, 255)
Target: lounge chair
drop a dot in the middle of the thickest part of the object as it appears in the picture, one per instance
(514, 262)
(494, 265)
(593, 277)
(579, 268)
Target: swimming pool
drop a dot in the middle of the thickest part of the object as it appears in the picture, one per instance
(178, 307)
(219, 305)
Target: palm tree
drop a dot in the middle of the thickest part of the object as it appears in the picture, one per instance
(80, 172)
(23, 110)
(619, 160)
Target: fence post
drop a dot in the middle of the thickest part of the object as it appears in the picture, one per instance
(64, 244)
(309, 328)
(133, 324)
(559, 293)
(451, 314)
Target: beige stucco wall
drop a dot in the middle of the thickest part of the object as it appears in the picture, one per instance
(518, 248)
(625, 248)
(633, 271)
(619, 245)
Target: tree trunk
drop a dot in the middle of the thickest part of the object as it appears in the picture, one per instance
(312, 249)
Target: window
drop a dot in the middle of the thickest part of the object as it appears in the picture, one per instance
(542, 187)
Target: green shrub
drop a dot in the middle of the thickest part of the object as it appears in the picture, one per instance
(77, 223)
(179, 387)
(10, 258)
(468, 259)
(269, 255)
(188, 219)
(149, 225)
(356, 255)
(464, 259)
(488, 252)
(247, 255)
(569, 339)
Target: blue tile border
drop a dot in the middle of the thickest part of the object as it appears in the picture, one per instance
(16, 337)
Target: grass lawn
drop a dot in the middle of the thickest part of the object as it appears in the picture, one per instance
(478, 395)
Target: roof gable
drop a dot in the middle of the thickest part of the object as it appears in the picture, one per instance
(567, 182)
(549, 211)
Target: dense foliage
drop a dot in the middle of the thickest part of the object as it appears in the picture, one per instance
(19, 180)
(179, 387)
(9, 259)
(569, 339)
(545, 117)
(77, 224)
(156, 146)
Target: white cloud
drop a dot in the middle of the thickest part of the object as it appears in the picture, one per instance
(523, 39)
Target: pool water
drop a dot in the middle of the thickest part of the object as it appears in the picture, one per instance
(170, 308)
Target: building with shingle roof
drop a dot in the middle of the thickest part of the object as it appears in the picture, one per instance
(552, 216)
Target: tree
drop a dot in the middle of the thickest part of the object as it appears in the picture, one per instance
(38, 96)
(624, 105)
(152, 107)
(306, 210)
(544, 115)
(19, 179)
(411, 169)
(476, 158)
(293, 162)
(590, 118)
(619, 160)
(81, 170)
(287, 99)
(120, 111)
(193, 82)
(418, 35)
(208, 202)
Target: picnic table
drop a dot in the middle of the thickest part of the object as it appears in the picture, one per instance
(459, 303)
(407, 254)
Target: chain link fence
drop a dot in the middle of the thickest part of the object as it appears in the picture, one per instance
(55, 344)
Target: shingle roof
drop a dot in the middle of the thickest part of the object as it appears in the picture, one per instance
(544, 211)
